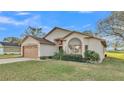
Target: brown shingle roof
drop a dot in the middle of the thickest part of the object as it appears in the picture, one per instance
(40, 40)
(55, 29)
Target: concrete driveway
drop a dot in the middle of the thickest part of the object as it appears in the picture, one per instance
(11, 60)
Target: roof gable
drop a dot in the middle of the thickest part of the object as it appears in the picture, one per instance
(70, 32)
(40, 40)
(55, 29)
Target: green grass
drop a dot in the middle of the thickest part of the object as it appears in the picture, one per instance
(9, 56)
(110, 69)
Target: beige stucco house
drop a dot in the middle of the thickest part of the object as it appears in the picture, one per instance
(71, 42)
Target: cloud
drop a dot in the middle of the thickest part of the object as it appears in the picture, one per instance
(23, 13)
(9, 20)
(70, 27)
(87, 26)
(12, 21)
(86, 12)
(45, 29)
(32, 21)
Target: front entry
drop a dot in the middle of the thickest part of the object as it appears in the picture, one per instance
(30, 51)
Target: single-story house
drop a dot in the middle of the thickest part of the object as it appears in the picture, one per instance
(9, 48)
(72, 42)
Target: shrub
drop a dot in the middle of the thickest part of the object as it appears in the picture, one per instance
(46, 57)
(68, 57)
(72, 57)
(91, 56)
(59, 55)
(56, 56)
(43, 58)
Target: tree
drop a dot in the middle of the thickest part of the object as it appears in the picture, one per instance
(114, 43)
(37, 32)
(12, 40)
(88, 32)
(112, 25)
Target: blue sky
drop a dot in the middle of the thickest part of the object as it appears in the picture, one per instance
(15, 23)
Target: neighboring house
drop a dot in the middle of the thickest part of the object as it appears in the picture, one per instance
(9, 48)
(71, 42)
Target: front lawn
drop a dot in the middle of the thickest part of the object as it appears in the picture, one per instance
(110, 69)
(9, 56)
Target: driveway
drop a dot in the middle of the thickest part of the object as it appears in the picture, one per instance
(11, 60)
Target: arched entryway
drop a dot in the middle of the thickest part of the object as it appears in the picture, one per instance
(75, 46)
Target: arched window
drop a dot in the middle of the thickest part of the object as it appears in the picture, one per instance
(75, 45)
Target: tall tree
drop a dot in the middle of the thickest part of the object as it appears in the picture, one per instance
(112, 25)
(37, 32)
(116, 44)
(88, 32)
(12, 40)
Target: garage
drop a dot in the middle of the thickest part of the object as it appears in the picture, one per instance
(30, 51)
(35, 47)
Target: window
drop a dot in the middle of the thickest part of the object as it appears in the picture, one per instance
(75, 45)
(86, 47)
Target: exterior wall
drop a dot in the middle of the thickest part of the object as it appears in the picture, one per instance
(30, 41)
(58, 33)
(74, 35)
(96, 45)
(47, 50)
(1, 50)
(93, 44)
(12, 50)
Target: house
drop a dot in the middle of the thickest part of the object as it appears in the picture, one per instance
(71, 42)
(9, 48)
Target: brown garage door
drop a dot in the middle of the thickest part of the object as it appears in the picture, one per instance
(30, 51)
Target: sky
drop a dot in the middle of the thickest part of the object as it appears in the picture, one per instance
(14, 23)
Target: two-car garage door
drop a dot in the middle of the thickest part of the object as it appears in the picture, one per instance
(30, 51)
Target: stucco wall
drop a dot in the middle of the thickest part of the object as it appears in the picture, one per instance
(93, 44)
(47, 50)
(58, 33)
(74, 35)
(97, 46)
(30, 41)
